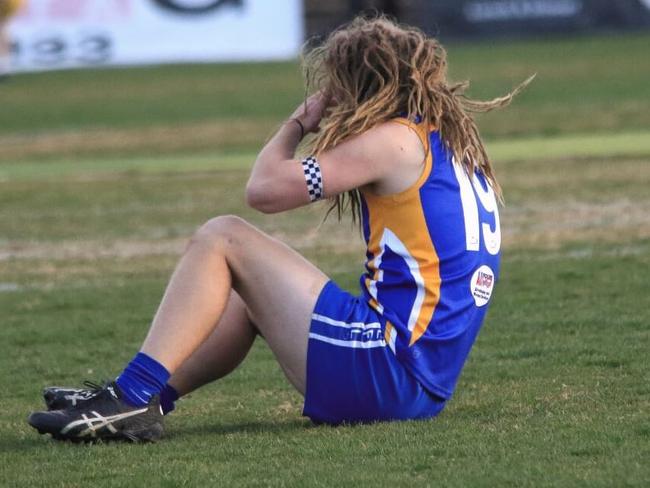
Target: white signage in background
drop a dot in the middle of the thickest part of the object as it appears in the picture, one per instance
(55, 34)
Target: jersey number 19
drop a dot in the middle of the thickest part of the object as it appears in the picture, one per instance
(491, 238)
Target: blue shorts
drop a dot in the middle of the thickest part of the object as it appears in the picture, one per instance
(352, 375)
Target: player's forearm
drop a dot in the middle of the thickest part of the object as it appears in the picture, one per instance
(281, 147)
(268, 174)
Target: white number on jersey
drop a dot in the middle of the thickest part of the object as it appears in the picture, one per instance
(491, 238)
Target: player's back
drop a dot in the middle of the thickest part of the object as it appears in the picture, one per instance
(433, 259)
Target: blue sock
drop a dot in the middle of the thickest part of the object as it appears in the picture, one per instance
(168, 396)
(143, 378)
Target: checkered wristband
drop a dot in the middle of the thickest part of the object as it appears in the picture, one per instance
(313, 177)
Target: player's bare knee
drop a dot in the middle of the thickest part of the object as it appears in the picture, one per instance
(220, 233)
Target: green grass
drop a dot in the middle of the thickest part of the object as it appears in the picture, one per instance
(601, 77)
(502, 150)
(137, 97)
(584, 86)
(555, 392)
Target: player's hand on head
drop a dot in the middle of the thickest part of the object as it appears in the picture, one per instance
(312, 110)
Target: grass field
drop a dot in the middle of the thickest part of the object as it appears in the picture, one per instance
(105, 174)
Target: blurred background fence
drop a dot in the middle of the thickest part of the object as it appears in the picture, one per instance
(471, 18)
(54, 34)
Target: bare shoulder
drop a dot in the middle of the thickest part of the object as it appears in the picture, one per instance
(397, 148)
(393, 143)
(385, 159)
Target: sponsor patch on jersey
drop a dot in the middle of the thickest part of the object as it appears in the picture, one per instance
(482, 284)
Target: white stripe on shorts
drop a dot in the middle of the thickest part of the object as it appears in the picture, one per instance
(338, 323)
(353, 344)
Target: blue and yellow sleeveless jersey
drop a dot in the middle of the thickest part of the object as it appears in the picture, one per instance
(432, 262)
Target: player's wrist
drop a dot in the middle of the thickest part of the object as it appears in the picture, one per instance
(298, 125)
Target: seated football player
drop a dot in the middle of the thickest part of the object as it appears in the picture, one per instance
(394, 142)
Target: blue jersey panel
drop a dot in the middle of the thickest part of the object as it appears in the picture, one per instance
(433, 260)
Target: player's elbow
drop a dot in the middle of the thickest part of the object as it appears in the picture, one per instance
(260, 199)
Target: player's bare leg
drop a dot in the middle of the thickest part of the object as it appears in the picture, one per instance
(222, 351)
(278, 286)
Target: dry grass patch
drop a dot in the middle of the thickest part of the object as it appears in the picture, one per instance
(212, 135)
(556, 224)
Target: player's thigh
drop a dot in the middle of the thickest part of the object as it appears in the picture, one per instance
(278, 285)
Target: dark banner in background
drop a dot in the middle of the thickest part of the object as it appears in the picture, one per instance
(472, 18)
(521, 17)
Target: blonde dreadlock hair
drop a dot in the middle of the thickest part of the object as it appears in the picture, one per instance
(377, 70)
